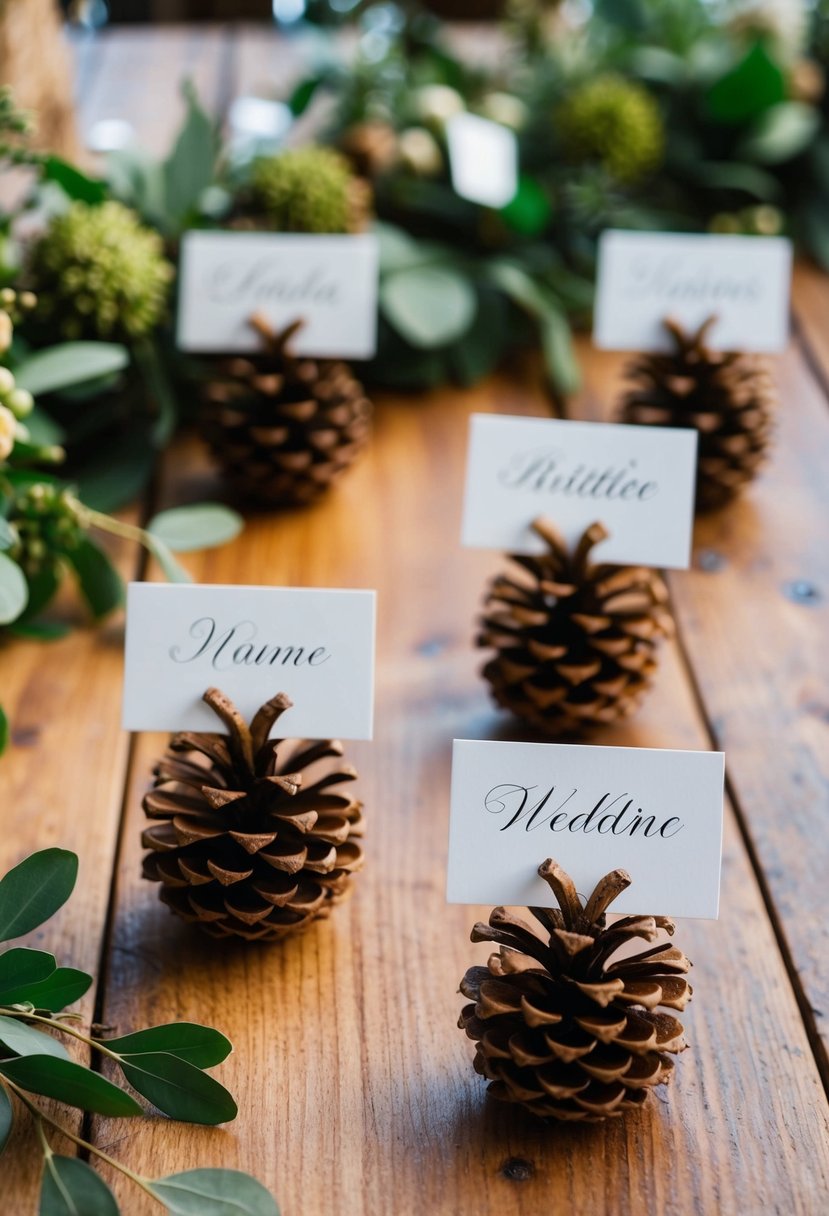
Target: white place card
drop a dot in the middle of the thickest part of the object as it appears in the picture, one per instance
(316, 645)
(636, 480)
(328, 281)
(644, 277)
(483, 159)
(656, 813)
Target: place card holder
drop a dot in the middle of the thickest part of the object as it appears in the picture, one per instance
(574, 641)
(728, 397)
(252, 837)
(282, 427)
(562, 1025)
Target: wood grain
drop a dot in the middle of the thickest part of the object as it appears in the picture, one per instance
(754, 616)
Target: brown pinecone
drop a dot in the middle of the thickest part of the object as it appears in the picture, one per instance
(575, 643)
(256, 840)
(371, 146)
(284, 428)
(560, 1027)
(729, 398)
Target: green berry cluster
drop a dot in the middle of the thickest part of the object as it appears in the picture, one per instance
(304, 190)
(15, 403)
(616, 122)
(100, 273)
(47, 523)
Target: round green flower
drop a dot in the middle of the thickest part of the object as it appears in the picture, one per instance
(305, 190)
(616, 122)
(99, 273)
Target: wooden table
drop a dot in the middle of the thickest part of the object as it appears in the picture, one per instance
(356, 1090)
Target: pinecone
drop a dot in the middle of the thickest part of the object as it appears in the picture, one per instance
(559, 1027)
(256, 840)
(371, 147)
(283, 428)
(729, 398)
(575, 642)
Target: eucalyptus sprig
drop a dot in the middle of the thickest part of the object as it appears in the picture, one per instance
(165, 1064)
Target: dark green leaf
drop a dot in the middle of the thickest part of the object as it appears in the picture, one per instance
(42, 587)
(6, 1118)
(72, 1188)
(303, 94)
(214, 1193)
(70, 1083)
(160, 391)
(118, 472)
(14, 593)
(179, 1089)
(26, 1040)
(99, 581)
(557, 344)
(190, 167)
(8, 536)
(4, 730)
(429, 306)
(75, 184)
(20, 968)
(781, 133)
(751, 86)
(34, 890)
(39, 631)
(199, 1045)
(201, 526)
(529, 210)
(63, 987)
(173, 571)
(69, 363)
(731, 175)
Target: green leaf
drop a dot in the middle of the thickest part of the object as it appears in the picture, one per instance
(14, 593)
(26, 1040)
(70, 1083)
(39, 631)
(429, 306)
(160, 391)
(4, 730)
(201, 526)
(117, 472)
(731, 175)
(178, 1088)
(529, 210)
(70, 1187)
(557, 344)
(172, 570)
(99, 581)
(70, 363)
(43, 430)
(190, 167)
(751, 86)
(20, 969)
(781, 133)
(63, 987)
(201, 1046)
(397, 250)
(6, 1118)
(302, 95)
(75, 185)
(7, 534)
(214, 1193)
(34, 890)
(42, 587)
(138, 180)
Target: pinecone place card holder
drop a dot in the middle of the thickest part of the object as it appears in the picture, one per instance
(575, 637)
(573, 1016)
(251, 836)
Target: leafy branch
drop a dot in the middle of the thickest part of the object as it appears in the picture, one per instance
(165, 1064)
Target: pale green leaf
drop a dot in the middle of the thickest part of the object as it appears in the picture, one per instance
(69, 363)
(70, 1187)
(14, 594)
(214, 1193)
(201, 526)
(26, 1040)
(429, 306)
(6, 1118)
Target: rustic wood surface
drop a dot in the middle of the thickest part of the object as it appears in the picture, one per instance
(356, 1091)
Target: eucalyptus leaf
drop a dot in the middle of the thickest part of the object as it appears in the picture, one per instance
(173, 571)
(39, 631)
(214, 1193)
(397, 250)
(26, 1040)
(138, 180)
(201, 526)
(20, 969)
(63, 987)
(70, 363)
(34, 890)
(70, 1187)
(43, 429)
(749, 87)
(557, 344)
(429, 306)
(14, 593)
(70, 1083)
(8, 536)
(99, 581)
(42, 587)
(6, 1118)
(781, 133)
(201, 1046)
(75, 185)
(190, 167)
(178, 1088)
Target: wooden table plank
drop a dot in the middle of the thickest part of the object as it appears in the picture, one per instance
(760, 658)
(356, 1091)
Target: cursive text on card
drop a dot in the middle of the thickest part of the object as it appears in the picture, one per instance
(618, 816)
(547, 470)
(238, 645)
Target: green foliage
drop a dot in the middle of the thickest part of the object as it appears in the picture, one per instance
(303, 190)
(185, 529)
(163, 1063)
(613, 121)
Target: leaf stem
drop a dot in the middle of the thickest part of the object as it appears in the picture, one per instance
(76, 1034)
(41, 1116)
